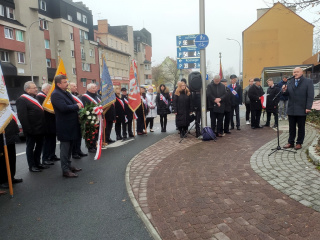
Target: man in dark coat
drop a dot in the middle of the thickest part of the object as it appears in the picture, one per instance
(246, 101)
(91, 96)
(128, 115)
(227, 107)
(11, 133)
(119, 112)
(255, 93)
(110, 118)
(273, 96)
(301, 93)
(49, 145)
(236, 90)
(141, 112)
(67, 123)
(283, 104)
(32, 119)
(216, 93)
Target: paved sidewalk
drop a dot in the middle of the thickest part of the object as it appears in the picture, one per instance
(210, 190)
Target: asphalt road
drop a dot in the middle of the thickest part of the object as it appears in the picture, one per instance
(93, 206)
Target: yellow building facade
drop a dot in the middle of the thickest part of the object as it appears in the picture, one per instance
(278, 38)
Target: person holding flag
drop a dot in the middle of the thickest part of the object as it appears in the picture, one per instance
(255, 94)
(163, 102)
(273, 98)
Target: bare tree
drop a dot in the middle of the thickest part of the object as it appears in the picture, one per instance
(157, 75)
(170, 73)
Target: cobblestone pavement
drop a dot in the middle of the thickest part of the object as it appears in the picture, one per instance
(208, 190)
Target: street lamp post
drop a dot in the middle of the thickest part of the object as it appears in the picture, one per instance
(239, 56)
(29, 43)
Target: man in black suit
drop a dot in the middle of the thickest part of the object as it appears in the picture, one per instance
(301, 93)
(227, 107)
(32, 119)
(67, 123)
(236, 90)
(255, 93)
(129, 115)
(216, 92)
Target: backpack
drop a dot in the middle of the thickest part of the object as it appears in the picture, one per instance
(208, 134)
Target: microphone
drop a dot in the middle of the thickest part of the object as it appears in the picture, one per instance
(290, 77)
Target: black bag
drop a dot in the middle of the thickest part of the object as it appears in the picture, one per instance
(208, 134)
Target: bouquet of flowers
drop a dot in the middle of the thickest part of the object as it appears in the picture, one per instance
(89, 123)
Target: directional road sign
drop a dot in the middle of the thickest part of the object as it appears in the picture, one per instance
(188, 63)
(202, 41)
(188, 52)
(186, 40)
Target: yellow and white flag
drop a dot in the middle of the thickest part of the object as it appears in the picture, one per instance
(47, 105)
(5, 109)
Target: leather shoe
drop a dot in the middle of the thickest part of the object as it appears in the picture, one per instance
(131, 135)
(267, 125)
(48, 163)
(253, 127)
(259, 126)
(140, 133)
(111, 141)
(4, 185)
(76, 156)
(81, 154)
(55, 158)
(227, 132)
(288, 145)
(219, 135)
(92, 150)
(238, 128)
(298, 146)
(231, 128)
(75, 169)
(34, 169)
(17, 180)
(42, 166)
(70, 175)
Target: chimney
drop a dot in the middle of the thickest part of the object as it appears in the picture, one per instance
(103, 26)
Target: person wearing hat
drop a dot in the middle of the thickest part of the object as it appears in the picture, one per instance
(141, 112)
(152, 106)
(128, 115)
(227, 107)
(255, 93)
(273, 99)
(236, 90)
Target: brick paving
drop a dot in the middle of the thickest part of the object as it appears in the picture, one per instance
(208, 190)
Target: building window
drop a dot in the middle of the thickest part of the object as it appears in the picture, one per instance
(70, 18)
(10, 13)
(74, 72)
(146, 76)
(79, 16)
(84, 19)
(43, 5)
(48, 63)
(4, 56)
(83, 54)
(71, 36)
(43, 24)
(21, 58)
(86, 67)
(8, 33)
(72, 53)
(47, 44)
(116, 44)
(1, 10)
(84, 82)
(85, 34)
(19, 36)
(91, 53)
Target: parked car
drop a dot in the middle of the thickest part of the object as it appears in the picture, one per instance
(14, 108)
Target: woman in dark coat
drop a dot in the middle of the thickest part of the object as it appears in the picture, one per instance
(120, 113)
(272, 102)
(163, 102)
(182, 108)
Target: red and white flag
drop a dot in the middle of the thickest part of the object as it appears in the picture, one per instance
(264, 100)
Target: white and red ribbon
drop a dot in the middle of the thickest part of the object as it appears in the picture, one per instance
(33, 100)
(77, 100)
(98, 111)
(41, 94)
(162, 98)
(91, 99)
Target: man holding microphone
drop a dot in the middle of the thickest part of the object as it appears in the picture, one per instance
(301, 93)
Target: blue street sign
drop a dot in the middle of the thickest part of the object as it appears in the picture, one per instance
(187, 52)
(188, 63)
(207, 77)
(202, 41)
(186, 40)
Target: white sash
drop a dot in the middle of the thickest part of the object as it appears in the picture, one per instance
(33, 100)
(91, 99)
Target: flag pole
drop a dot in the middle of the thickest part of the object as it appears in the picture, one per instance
(7, 164)
(134, 125)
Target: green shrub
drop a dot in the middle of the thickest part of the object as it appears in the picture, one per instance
(314, 117)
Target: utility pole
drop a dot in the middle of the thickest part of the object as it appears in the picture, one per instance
(203, 67)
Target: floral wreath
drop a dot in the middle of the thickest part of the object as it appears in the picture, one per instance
(89, 123)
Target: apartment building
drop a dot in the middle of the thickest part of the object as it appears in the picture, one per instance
(35, 33)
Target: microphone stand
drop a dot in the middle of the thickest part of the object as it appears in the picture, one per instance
(278, 147)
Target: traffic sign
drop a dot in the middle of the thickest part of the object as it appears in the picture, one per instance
(188, 63)
(202, 41)
(187, 52)
(186, 40)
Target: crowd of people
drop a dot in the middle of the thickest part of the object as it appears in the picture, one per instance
(290, 100)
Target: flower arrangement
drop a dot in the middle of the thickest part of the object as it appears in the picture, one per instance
(89, 123)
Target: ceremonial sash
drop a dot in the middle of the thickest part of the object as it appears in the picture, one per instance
(121, 102)
(135, 115)
(163, 98)
(42, 95)
(144, 102)
(91, 99)
(77, 100)
(33, 100)
(126, 101)
(234, 92)
(15, 117)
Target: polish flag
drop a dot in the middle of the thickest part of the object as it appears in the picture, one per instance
(264, 100)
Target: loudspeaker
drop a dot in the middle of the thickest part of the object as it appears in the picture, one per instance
(195, 81)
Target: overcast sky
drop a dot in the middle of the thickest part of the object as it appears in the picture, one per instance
(166, 19)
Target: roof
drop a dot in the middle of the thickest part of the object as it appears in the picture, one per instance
(274, 6)
(285, 69)
(102, 44)
(8, 69)
(5, 19)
